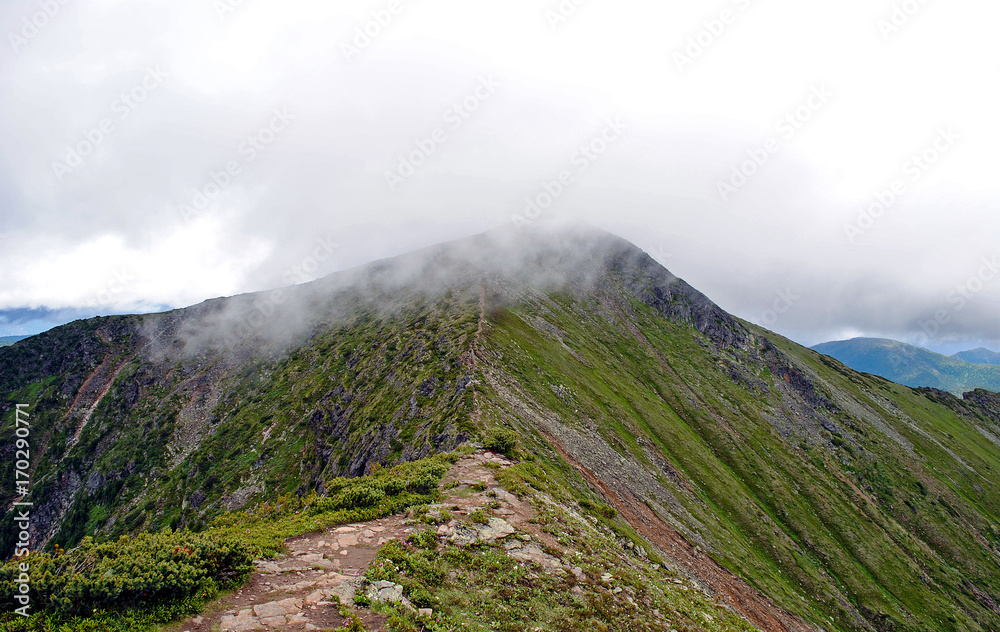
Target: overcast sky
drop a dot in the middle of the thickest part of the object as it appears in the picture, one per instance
(826, 169)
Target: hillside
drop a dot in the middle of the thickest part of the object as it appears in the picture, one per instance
(795, 491)
(978, 356)
(6, 341)
(913, 366)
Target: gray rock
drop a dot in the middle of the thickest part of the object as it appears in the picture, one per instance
(496, 529)
(464, 536)
(383, 591)
(268, 568)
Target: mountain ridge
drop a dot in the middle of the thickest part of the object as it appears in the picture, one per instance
(913, 366)
(831, 499)
(980, 355)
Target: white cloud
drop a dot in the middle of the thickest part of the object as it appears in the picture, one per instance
(323, 176)
(107, 274)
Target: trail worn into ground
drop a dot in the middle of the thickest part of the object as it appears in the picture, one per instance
(301, 589)
(295, 591)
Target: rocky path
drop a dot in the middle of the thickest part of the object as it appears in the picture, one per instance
(295, 591)
(301, 589)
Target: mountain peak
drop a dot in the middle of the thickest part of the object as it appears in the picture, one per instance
(980, 355)
(698, 445)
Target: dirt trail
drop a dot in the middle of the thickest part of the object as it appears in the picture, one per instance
(474, 354)
(296, 591)
(742, 598)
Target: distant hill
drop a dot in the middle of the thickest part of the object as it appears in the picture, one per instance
(6, 341)
(913, 366)
(979, 356)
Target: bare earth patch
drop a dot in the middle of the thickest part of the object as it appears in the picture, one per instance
(301, 589)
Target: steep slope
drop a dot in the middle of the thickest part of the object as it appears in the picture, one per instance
(978, 356)
(166, 420)
(913, 366)
(804, 477)
(802, 494)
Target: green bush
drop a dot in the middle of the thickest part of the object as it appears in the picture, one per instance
(502, 440)
(414, 567)
(393, 486)
(361, 495)
(418, 477)
(479, 517)
(599, 509)
(131, 572)
(424, 484)
(425, 539)
(136, 582)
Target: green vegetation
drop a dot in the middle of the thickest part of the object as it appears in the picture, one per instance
(820, 509)
(852, 502)
(502, 440)
(481, 588)
(124, 584)
(479, 517)
(914, 366)
(371, 389)
(132, 583)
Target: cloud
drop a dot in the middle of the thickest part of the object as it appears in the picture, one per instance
(169, 95)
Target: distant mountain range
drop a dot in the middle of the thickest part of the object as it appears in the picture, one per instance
(6, 341)
(979, 356)
(916, 366)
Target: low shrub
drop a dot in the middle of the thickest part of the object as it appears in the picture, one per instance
(136, 582)
(479, 517)
(502, 440)
(131, 572)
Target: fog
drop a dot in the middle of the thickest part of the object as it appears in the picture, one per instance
(825, 171)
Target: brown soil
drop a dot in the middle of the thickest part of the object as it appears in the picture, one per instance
(729, 589)
(334, 559)
(346, 552)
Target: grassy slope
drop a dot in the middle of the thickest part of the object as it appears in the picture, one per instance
(367, 387)
(913, 366)
(829, 532)
(813, 503)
